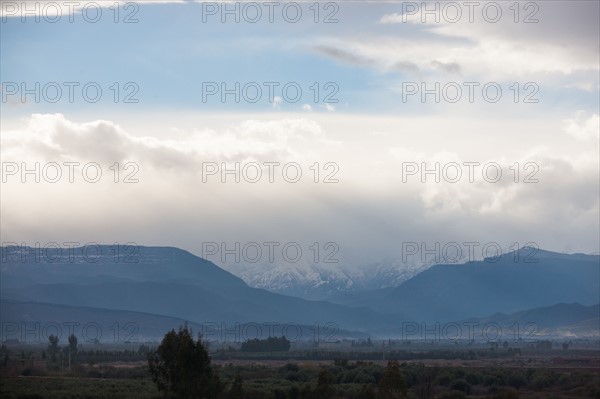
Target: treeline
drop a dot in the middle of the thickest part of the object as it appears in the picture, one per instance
(72, 355)
(365, 355)
(100, 356)
(271, 344)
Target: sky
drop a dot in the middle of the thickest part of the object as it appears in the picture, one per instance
(331, 112)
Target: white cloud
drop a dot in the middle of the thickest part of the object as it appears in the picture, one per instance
(583, 126)
(561, 46)
(52, 136)
(368, 213)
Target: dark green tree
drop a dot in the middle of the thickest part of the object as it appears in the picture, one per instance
(72, 351)
(53, 348)
(426, 377)
(392, 384)
(324, 389)
(237, 388)
(367, 392)
(181, 367)
(143, 350)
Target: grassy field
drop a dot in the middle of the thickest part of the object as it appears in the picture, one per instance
(535, 375)
(23, 387)
(263, 382)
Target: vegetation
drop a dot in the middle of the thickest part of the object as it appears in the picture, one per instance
(271, 344)
(180, 367)
(53, 348)
(237, 388)
(392, 384)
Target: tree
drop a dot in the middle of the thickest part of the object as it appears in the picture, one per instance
(181, 367)
(271, 344)
(143, 350)
(367, 392)
(392, 384)
(53, 348)
(72, 347)
(324, 389)
(426, 377)
(237, 388)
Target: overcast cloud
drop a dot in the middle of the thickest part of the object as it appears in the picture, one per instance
(361, 143)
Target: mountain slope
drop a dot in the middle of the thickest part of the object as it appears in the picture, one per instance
(166, 281)
(108, 263)
(560, 320)
(33, 322)
(507, 284)
(175, 283)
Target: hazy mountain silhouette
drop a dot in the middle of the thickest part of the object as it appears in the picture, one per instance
(506, 284)
(172, 282)
(163, 281)
(117, 326)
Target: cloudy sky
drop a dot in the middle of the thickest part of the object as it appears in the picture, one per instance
(328, 110)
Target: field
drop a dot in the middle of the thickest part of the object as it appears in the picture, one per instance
(434, 373)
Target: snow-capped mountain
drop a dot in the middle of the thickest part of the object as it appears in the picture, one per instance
(324, 281)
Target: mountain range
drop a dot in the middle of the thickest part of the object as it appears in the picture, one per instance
(325, 281)
(164, 281)
(171, 283)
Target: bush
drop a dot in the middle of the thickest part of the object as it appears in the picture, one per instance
(506, 393)
(541, 379)
(516, 379)
(460, 385)
(33, 372)
(474, 378)
(453, 395)
(444, 379)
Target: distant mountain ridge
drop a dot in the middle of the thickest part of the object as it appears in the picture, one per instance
(174, 283)
(560, 321)
(164, 281)
(510, 283)
(29, 321)
(550, 317)
(325, 281)
(347, 284)
(109, 263)
(121, 326)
